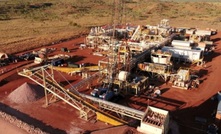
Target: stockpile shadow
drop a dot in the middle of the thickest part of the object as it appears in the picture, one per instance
(76, 58)
(30, 120)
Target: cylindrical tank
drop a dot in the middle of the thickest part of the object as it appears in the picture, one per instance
(123, 75)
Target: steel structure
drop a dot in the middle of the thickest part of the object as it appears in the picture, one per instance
(118, 11)
(154, 69)
(120, 109)
(44, 76)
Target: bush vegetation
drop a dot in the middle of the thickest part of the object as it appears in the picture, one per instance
(34, 23)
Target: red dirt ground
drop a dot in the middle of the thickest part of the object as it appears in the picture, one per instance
(58, 117)
(184, 105)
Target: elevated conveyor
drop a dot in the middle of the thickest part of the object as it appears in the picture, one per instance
(42, 77)
(136, 33)
(120, 109)
(77, 100)
(70, 70)
(85, 82)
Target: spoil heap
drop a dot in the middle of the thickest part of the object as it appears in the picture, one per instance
(26, 93)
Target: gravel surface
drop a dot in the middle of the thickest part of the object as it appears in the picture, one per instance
(20, 124)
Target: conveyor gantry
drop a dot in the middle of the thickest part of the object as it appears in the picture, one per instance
(120, 109)
(41, 76)
(84, 82)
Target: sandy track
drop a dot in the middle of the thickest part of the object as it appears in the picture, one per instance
(8, 128)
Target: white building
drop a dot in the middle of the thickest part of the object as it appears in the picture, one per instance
(189, 55)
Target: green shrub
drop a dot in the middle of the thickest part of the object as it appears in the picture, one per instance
(71, 23)
(4, 17)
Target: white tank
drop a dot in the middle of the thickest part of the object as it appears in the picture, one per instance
(160, 58)
(123, 75)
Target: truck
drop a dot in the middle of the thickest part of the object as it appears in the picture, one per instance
(105, 93)
(73, 65)
(2, 63)
(27, 56)
(98, 91)
(57, 62)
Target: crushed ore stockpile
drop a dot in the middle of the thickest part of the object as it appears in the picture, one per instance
(26, 93)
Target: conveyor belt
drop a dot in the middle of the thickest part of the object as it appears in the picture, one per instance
(120, 109)
(70, 96)
(85, 82)
(76, 70)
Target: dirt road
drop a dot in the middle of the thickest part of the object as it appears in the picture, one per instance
(8, 128)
